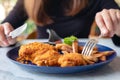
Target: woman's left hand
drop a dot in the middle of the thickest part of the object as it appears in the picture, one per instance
(109, 22)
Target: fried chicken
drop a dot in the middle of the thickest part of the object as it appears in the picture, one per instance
(43, 54)
(71, 59)
(31, 50)
(49, 58)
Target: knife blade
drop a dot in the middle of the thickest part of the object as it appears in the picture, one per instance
(18, 31)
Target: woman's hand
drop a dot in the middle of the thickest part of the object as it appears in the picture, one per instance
(5, 29)
(109, 22)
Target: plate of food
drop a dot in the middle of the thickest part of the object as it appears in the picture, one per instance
(60, 58)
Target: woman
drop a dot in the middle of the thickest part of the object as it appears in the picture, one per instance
(66, 17)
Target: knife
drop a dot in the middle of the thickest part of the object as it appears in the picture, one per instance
(18, 31)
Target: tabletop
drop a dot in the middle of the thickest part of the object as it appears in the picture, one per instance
(10, 71)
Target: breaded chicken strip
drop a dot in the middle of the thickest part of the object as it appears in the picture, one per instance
(49, 58)
(28, 51)
(71, 59)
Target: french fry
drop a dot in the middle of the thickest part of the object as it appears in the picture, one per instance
(103, 58)
(67, 49)
(95, 48)
(107, 53)
(91, 58)
(64, 52)
(87, 60)
(80, 48)
(58, 46)
(75, 46)
(84, 62)
(97, 55)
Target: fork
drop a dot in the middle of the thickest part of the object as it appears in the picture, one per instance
(53, 37)
(88, 47)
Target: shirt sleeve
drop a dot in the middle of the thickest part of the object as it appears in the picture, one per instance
(116, 40)
(17, 15)
(108, 4)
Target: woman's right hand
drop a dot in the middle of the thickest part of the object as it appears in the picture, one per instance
(5, 29)
(108, 20)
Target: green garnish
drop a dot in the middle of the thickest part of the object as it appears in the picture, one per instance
(70, 40)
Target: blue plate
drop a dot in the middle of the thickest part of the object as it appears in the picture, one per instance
(13, 54)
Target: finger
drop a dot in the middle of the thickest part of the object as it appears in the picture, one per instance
(113, 14)
(108, 21)
(2, 36)
(100, 22)
(11, 40)
(118, 15)
(1, 44)
(7, 28)
(117, 29)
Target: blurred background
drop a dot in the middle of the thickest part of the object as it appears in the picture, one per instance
(7, 5)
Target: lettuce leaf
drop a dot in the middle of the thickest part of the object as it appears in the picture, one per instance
(69, 40)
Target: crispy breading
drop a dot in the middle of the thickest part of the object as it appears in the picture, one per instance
(43, 54)
(71, 59)
(28, 51)
(50, 58)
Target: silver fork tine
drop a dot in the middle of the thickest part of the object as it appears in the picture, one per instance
(87, 47)
(87, 50)
(93, 43)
